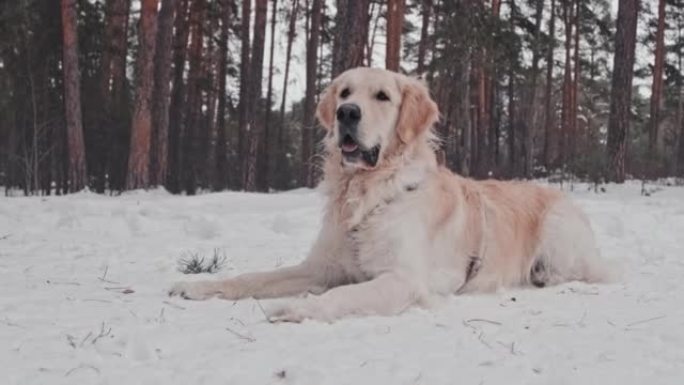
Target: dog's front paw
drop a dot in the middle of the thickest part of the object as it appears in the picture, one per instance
(297, 311)
(194, 290)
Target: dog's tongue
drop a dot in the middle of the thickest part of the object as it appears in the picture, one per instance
(349, 147)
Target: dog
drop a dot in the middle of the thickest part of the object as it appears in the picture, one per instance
(400, 229)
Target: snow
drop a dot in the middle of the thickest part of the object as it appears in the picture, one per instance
(84, 280)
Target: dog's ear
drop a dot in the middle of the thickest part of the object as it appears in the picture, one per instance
(418, 111)
(325, 112)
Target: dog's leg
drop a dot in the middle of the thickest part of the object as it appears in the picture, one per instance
(288, 281)
(320, 271)
(388, 294)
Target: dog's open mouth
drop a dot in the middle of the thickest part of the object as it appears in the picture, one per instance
(353, 151)
(349, 145)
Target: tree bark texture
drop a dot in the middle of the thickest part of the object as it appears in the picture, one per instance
(141, 128)
(657, 85)
(162, 93)
(310, 94)
(351, 34)
(621, 92)
(395, 23)
(72, 97)
(424, 35)
(254, 126)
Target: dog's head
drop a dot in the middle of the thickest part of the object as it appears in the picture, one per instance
(369, 112)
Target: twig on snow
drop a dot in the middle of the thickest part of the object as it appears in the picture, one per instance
(104, 276)
(480, 337)
(263, 311)
(71, 340)
(241, 336)
(83, 341)
(120, 289)
(629, 325)
(481, 320)
(82, 366)
(237, 320)
(102, 333)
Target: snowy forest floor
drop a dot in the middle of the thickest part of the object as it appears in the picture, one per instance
(84, 280)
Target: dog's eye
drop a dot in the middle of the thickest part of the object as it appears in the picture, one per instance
(345, 92)
(382, 96)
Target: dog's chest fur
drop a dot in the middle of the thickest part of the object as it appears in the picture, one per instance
(368, 219)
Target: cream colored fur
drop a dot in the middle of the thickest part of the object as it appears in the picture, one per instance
(397, 234)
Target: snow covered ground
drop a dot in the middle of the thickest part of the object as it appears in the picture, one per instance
(83, 282)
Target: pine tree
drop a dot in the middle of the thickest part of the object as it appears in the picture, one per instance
(657, 84)
(190, 130)
(141, 128)
(621, 91)
(395, 22)
(72, 98)
(162, 94)
(221, 178)
(351, 33)
(178, 97)
(254, 127)
(307, 173)
(110, 162)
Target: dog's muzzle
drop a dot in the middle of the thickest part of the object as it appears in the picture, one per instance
(348, 118)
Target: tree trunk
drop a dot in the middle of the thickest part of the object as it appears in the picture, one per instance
(112, 90)
(621, 91)
(351, 34)
(548, 92)
(176, 134)
(190, 133)
(220, 179)
(680, 151)
(574, 106)
(512, 110)
(375, 23)
(395, 22)
(310, 94)
(253, 127)
(465, 115)
(265, 159)
(243, 105)
(141, 129)
(529, 107)
(209, 128)
(424, 35)
(162, 94)
(512, 153)
(566, 112)
(291, 34)
(679, 159)
(657, 85)
(72, 97)
(489, 130)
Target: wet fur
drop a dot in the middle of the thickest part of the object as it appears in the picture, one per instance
(398, 234)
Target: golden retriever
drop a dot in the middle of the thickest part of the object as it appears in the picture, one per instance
(399, 229)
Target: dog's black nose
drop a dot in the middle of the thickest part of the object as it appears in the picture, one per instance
(348, 114)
